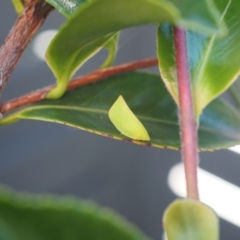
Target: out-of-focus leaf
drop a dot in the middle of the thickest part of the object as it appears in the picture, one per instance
(126, 122)
(67, 8)
(200, 15)
(87, 108)
(187, 220)
(25, 217)
(18, 6)
(214, 62)
(98, 18)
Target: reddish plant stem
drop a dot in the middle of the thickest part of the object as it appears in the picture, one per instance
(24, 29)
(188, 124)
(87, 79)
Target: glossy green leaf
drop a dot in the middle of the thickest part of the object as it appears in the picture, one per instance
(18, 5)
(126, 122)
(25, 217)
(98, 18)
(87, 108)
(214, 62)
(190, 220)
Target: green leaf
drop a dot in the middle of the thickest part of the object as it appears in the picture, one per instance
(18, 6)
(126, 122)
(200, 15)
(87, 108)
(187, 220)
(110, 42)
(214, 62)
(25, 217)
(78, 59)
(112, 47)
(67, 8)
(97, 19)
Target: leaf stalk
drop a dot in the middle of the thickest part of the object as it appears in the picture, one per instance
(187, 121)
(95, 76)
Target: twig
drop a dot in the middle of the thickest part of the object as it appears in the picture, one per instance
(188, 124)
(18, 38)
(90, 78)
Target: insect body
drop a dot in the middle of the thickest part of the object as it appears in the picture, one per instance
(126, 122)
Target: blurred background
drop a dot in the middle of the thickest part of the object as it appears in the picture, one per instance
(137, 182)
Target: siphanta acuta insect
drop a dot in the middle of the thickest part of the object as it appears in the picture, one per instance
(126, 122)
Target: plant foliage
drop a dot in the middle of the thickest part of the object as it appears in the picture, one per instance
(26, 217)
(145, 113)
(87, 108)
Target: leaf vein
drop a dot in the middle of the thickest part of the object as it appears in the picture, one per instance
(199, 73)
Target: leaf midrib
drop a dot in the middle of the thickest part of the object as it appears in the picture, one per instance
(199, 73)
(94, 110)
